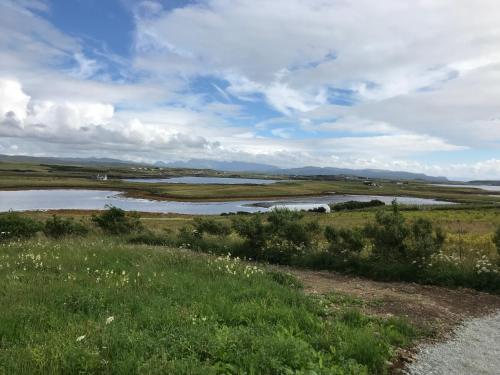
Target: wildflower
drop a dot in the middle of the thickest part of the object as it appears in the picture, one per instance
(80, 338)
(110, 319)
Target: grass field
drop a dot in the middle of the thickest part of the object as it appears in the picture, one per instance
(32, 176)
(100, 306)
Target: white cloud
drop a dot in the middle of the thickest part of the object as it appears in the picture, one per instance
(13, 101)
(291, 51)
(422, 77)
(89, 123)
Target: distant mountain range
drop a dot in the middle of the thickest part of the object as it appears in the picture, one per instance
(64, 160)
(233, 166)
(368, 173)
(236, 166)
(223, 166)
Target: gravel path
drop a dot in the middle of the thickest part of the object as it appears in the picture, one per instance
(473, 350)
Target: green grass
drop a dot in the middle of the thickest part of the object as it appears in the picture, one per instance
(30, 176)
(173, 312)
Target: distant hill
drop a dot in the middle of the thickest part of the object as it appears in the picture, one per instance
(236, 166)
(233, 166)
(368, 173)
(485, 182)
(224, 166)
(64, 160)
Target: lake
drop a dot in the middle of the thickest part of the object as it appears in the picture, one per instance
(83, 199)
(205, 180)
(469, 186)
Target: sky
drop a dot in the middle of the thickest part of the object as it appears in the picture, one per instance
(408, 85)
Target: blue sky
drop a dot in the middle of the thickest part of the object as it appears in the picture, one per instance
(393, 84)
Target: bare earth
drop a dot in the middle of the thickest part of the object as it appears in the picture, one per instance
(438, 309)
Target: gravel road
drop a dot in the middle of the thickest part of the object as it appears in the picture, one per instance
(473, 350)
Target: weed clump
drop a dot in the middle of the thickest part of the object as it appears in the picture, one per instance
(16, 226)
(355, 205)
(280, 239)
(114, 220)
(210, 226)
(496, 240)
(57, 227)
(396, 241)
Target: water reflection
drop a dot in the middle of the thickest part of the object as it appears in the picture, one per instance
(82, 199)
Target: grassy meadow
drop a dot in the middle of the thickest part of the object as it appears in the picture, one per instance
(42, 176)
(117, 293)
(101, 306)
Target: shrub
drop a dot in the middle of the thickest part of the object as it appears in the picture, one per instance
(14, 225)
(210, 226)
(423, 242)
(57, 227)
(252, 230)
(283, 237)
(346, 243)
(394, 240)
(114, 220)
(355, 205)
(388, 235)
(320, 210)
(281, 251)
(286, 224)
(496, 240)
(150, 238)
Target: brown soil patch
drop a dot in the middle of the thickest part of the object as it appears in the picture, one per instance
(430, 307)
(437, 310)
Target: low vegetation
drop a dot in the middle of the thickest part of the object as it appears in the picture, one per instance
(355, 205)
(116, 221)
(390, 247)
(16, 226)
(57, 227)
(110, 308)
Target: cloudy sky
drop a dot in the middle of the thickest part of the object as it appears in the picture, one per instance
(394, 84)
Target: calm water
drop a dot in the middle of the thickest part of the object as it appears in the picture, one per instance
(81, 199)
(481, 187)
(204, 180)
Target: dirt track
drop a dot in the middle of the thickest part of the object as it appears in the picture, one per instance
(435, 309)
(426, 306)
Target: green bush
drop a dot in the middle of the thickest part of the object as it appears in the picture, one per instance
(423, 241)
(283, 237)
(388, 235)
(252, 229)
(114, 220)
(496, 240)
(210, 226)
(281, 251)
(320, 210)
(57, 227)
(287, 225)
(355, 205)
(150, 238)
(394, 240)
(16, 226)
(345, 243)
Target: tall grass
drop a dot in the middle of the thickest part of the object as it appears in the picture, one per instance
(98, 306)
